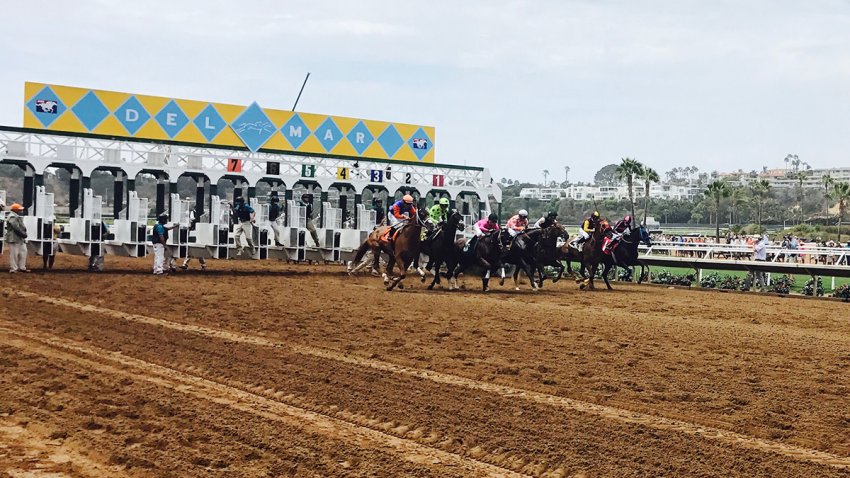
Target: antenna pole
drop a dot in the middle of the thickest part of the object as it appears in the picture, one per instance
(302, 91)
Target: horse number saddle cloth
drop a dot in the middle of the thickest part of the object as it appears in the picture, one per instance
(390, 234)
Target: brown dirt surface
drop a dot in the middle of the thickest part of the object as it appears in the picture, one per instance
(257, 368)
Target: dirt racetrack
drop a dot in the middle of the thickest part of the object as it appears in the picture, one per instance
(268, 369)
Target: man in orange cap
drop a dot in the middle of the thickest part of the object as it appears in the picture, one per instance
(16, 238)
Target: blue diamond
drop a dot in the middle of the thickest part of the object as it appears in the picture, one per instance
(360, 137)
(172, 119)
(390, 140)
(295, 131)
(253, 127)
(90, 110)
(46, 106)
(209, 122)
(420, 143)
(328, 134)
(132, 115)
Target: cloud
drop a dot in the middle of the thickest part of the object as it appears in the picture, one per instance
(517, 86)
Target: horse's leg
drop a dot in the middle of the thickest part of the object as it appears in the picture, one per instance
(402, 267)
(560, 266)
(529, 271)
(391, 263)
(516, 276)
(485, 280)
(642, 272)
(591, 273)
(502, 275)
(436, 280)
(605, 272)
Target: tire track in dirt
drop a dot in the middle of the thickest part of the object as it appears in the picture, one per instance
(267, 404)
(608, 412)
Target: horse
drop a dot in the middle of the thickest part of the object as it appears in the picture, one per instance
(487, 255)
(520, 253)
(569, 254)
(442, 244)
(592, 256)
(627, 257)
(406, 248)
(626, 253)
(546, 252)
(373, 244)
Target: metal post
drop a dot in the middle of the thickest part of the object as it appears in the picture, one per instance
(358, 200)
(199, 198)
(118, 195)
(74, 193)
(172, 189)
(29, 189)
(323, 197)
(38, 180)
(160, 195)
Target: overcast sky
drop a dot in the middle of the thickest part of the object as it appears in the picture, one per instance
(516, 86)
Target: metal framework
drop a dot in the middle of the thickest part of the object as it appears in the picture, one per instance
(42, 150)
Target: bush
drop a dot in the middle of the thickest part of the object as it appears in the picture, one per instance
(813, 286)
(781, 285)
(710, 281)
(842, 292)
(729, 283)
(665, 277)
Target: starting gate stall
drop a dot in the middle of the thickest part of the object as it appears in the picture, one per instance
(3, 221)
(260, 229)
(211, 240)
(178, 238)
(84, 235)
(129, 236)
(40, 240)
(220, 141)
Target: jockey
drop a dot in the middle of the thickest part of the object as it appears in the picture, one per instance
(622, 227)
(486, 226)
(517, 224)
(401, 212)
(439, 212)
(587, 227)
(548, 220)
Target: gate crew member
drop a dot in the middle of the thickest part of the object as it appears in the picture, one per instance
(307, 202)
(16, 238)
(245, 217)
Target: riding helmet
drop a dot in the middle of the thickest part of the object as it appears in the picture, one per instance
(595, 213)
(523, 213)
(408, 199)
(492, 217)
(444, 201)
(552, 214)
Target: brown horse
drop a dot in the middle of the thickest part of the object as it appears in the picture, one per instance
(592, 256)
(405, 249)
(569, 254)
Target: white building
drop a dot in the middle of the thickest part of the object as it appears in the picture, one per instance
(585, 193)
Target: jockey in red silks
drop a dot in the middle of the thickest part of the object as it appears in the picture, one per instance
(622, 227)
(517, 224)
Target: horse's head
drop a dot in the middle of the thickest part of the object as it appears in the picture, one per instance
(643, 234)
(491, 244)
(455, 220)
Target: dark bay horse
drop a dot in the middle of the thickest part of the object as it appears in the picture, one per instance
(487, 256)
(520, 253)
(625, 254)
(441, 246)
(547, 253)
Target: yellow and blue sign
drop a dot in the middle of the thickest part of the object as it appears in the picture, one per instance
(110, 113)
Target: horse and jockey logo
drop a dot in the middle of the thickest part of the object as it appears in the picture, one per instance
(46, 106)
(419, 143)
(257, 127)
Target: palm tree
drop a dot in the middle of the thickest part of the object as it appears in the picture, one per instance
(841, 195)
(800, 176)
(628, 169)
(761, 189)
(566, 176)
(649, 176)
(738, 197)
(717, 190)
(827, 182)
(545, 176)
